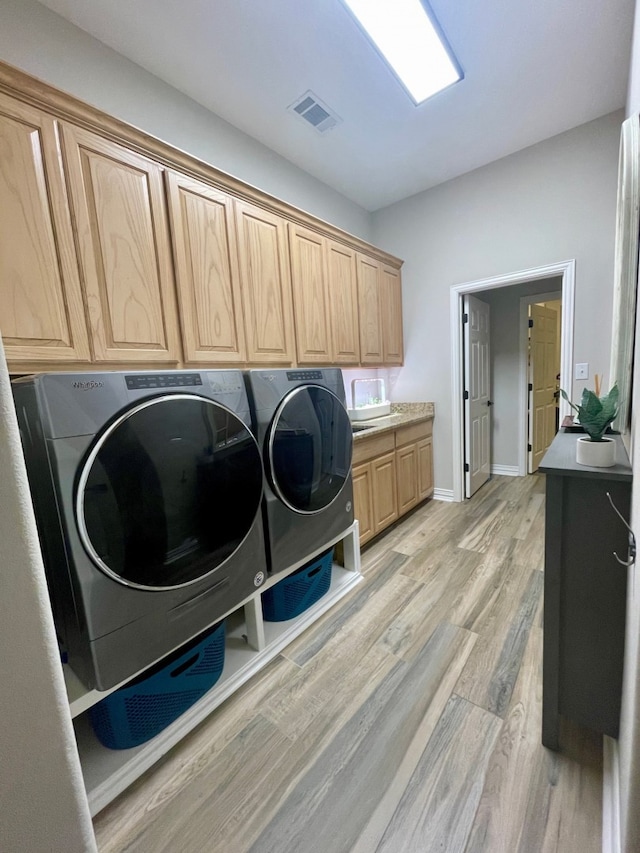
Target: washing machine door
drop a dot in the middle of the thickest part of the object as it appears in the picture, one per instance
(309, 447)
(168, 492)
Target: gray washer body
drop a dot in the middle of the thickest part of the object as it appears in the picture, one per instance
(292, 536)
(109, 630)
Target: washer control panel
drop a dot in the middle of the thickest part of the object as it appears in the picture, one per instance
(162, 380)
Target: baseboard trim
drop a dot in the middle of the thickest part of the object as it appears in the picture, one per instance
(611, 837)
(505, 470)
(443, 494)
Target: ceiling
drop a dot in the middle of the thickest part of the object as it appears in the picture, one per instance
(532, 70)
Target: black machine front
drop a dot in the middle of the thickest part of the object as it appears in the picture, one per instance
(306, 439)
(309, 449)
(169, 492)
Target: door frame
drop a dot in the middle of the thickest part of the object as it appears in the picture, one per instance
(525, 302)
(564, 269)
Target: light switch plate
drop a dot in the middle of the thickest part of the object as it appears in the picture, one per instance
(582, 371)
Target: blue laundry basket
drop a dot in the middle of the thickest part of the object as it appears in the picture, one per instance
(147, 705)
(297, 592)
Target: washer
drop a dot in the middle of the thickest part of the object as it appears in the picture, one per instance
(306, 439)
(147, 489)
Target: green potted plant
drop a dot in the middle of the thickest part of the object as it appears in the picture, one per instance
(595, 414)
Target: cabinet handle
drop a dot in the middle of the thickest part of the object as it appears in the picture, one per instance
(632, 537)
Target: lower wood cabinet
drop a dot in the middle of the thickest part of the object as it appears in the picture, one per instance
(392, 473)
(385, 494)
(407, 470)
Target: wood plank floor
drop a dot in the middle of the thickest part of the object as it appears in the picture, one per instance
(407, 719)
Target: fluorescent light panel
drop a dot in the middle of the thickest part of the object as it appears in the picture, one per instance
(403, 32)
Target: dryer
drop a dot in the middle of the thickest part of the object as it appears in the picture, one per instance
(147, 489)
(306, 439)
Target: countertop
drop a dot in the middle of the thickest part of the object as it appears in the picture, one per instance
(560, 458)
(402, 414)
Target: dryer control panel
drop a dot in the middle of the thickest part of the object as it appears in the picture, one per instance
(304, 375)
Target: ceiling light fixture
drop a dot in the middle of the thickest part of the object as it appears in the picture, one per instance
(407, 35)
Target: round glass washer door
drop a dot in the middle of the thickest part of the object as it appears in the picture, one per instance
(168, 492)
(309, 443)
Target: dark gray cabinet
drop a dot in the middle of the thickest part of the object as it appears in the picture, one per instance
(584, 590)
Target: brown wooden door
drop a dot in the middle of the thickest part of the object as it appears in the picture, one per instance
(385, 495)
(343, 303)
(363, 500)
(407, 473)
(266, 285)
(310, 296)
(425, 468)
(122, 233)
(369, 310)
(391, 309)
(206, 267)
(544, 367)
(42, 314)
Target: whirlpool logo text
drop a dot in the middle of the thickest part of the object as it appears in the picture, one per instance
(88, 386)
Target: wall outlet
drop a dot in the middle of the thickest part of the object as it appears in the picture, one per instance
(582, 371)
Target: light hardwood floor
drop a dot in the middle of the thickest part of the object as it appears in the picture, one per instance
(407, 719)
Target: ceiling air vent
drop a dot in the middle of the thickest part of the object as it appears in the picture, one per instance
(310, 108)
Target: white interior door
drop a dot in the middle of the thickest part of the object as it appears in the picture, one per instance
(477, 404)
(543, 370)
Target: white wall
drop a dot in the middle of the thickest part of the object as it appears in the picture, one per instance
(505, 365)
(43, 44)
(549, 203)
(42, 801)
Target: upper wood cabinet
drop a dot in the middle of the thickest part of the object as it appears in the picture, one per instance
(325, 298)
(391, 308)
(41, 309)
(266, 284)
(369, 309)
(117, 250)
(380, 305)
(310, 295)
(206, 267)
(121, 223)
(343, 303)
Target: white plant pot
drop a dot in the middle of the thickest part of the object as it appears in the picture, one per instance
(596, 454)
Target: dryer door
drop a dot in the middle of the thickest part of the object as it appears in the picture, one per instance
(309, 449)
(168, 492)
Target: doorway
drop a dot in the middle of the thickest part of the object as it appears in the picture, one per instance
(565, 273)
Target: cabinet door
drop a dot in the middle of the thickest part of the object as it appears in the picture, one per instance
(391, 309)
(121, 225)
(385, 496)
(425, 468)
(310, 298)
(41, 308)
(266, 285)
(363, 500)
(407, 470)
(206, 266)
(369, 309)
(343, 303)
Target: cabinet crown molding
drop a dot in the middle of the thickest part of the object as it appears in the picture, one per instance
(22, 86)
